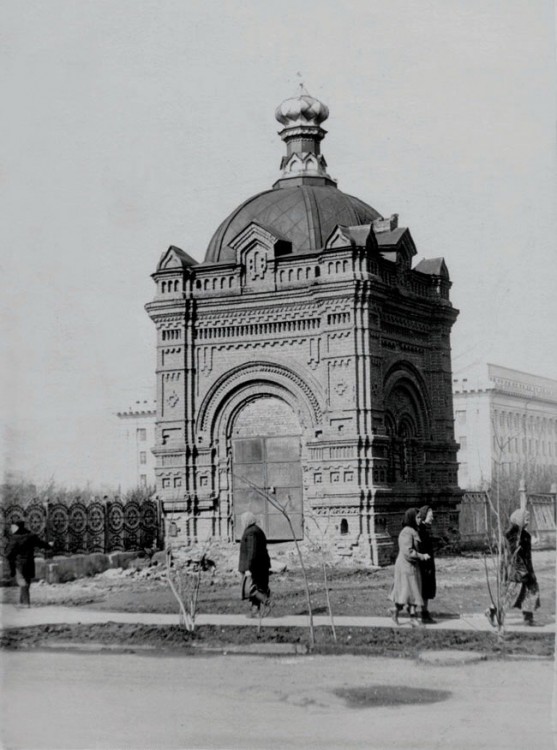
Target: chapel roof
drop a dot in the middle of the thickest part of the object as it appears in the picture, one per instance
(305, 204)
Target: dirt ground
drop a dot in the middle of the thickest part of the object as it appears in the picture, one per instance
(461, 588)
(353, 591)
(388, 642)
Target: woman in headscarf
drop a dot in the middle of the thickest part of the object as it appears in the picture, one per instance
(254, 564)
(21, 557)
(427, 567)
(407, 589)
(522, 588)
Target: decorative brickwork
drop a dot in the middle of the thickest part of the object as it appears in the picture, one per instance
(331, 345)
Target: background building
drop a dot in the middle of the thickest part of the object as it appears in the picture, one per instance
(506, 422)
(307, 360)
(137, 439)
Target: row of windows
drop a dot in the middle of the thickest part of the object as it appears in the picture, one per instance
(525, 445)
(530, 423)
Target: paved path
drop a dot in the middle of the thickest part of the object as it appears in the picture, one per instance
(13, 617)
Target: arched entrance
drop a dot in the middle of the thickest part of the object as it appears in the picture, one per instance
(266, 456)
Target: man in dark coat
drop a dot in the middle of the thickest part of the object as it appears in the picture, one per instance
(254, 564)
(427, 567)
(21, 557)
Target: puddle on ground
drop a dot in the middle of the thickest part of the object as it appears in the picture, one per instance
(389, 695)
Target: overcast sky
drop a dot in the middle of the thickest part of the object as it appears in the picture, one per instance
(130, 125)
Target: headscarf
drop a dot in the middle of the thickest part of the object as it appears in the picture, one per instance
(247, 519)
(424, 510)
(410, 518)
(518, 517)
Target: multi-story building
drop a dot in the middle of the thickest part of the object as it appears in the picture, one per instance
(505, 423)
(136, 463)
(305, 365)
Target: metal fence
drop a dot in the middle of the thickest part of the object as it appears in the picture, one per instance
(478, 520)
(108, 525)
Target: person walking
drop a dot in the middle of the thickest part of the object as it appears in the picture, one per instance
(522, 589)
(407, 588)
(255, 564)
(427, 567)
(20, 553)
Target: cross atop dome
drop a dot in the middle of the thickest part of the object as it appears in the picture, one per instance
(301, 116)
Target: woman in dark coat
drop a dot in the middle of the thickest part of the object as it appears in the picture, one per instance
(522, 588)
(21, 557)
(254, 564)
(427, 567)
(407, 587)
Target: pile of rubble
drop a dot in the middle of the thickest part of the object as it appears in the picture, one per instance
(220, 559)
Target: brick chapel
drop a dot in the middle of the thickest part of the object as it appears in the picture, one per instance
(304, 361)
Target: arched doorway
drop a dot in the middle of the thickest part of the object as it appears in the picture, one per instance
(266, 458)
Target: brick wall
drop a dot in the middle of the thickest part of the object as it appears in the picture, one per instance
(266, 416)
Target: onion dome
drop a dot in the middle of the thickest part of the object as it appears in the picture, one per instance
(303, 109)
(305, 204)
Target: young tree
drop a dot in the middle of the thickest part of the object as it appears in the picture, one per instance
(185, 574)
(318, 539)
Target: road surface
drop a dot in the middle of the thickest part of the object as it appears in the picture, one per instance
(103, 700)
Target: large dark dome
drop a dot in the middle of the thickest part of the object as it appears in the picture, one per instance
(304, 214)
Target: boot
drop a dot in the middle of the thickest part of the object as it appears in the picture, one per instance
(528, 618)
(394, 614)
(254, 611)
(24, 596)
(491, 614)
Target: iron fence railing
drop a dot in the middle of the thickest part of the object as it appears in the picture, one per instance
(76, 527)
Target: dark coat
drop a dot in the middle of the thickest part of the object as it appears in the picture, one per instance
(21, 553)
(254, 556)
(427, 567)
(520, 568)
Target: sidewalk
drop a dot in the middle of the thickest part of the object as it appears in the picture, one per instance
(12, 617)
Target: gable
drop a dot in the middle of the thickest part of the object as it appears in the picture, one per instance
(175, 259)
(255, 234)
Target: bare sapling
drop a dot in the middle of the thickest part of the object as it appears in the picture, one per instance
(496, 579)
(318, 539)
(184, 577)
(275, 504)
(185, 619)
